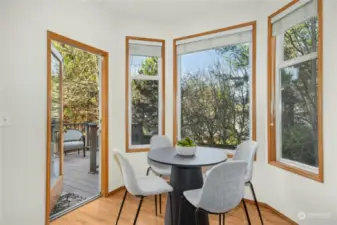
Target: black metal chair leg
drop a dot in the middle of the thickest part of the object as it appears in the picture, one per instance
(171, 207)
(180, 208)
(223, 218)
(246, 211)
(120, 210)
(219, 219)
(196, 215)
(160, 203)
(139, 206)
(160, 175)
(155, 204)
(256, 202)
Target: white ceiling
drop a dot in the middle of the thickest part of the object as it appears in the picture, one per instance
(172, 9)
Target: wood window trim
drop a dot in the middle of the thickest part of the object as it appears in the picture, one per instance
(127, 138)
(272, 155)
(175, 75)
(51, 36)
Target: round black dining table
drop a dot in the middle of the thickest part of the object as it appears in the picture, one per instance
(186, 174)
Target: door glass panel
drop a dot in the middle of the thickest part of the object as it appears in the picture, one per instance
(55, 119)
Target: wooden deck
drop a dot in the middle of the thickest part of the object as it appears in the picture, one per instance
(77, 178)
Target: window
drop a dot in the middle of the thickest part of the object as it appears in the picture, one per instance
(295, 94)
(144, 91)
(215, 87)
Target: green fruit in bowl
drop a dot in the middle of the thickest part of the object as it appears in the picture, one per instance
(186, 142)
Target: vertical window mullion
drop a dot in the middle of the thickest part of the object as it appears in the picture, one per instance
(250, 91)
(160, 94)
(278, 95)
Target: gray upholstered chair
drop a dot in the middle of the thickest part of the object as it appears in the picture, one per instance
(223, 190)
(158, 142)
(140, 187)
(73, 140)
(246, 151)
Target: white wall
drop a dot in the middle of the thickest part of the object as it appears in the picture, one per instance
(2, 75)
(24, 63)
(138, 28)
(286, 192)
(23, 60)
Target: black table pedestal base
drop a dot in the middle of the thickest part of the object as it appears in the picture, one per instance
(183, 179)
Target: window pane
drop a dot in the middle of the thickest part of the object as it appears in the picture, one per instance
(215, 96)
(301, 39)
(299, 113)
(144, 111)
(142, 65)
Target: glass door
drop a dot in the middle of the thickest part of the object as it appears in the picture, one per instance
(56, 126)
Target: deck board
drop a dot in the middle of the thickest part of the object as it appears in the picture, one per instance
(76, 176)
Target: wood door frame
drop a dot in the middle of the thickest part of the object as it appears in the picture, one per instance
(51, 36)
(57, 188)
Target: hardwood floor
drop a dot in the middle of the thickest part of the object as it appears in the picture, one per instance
(104, 212)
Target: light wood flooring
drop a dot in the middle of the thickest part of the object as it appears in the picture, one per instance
(104, 211)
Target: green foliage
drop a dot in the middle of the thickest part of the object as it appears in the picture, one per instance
(299, 127)
(186, 142)
(301, 39)
(215, 102)
(145, 95)
(149, 66)
(80, 84)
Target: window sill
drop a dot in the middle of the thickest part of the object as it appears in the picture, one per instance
(229, 152)
(314, 176)
(134, 150)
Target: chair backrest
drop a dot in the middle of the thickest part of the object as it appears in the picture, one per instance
(246, 151)
(224, 187)
(128, 173)
(158, 142)
(72, 135)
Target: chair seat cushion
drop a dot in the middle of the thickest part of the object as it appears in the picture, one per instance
(153, 185)
(247, 177)
(193, 196)
(72, 145)
(161, 170)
